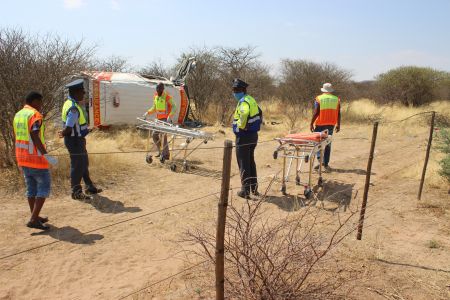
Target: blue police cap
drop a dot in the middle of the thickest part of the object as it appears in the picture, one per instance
(237, 83)
(75, 85)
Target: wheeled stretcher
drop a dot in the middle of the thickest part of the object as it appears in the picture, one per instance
(302, 147)
(175, 132)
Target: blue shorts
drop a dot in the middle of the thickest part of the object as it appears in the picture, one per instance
(37, 181)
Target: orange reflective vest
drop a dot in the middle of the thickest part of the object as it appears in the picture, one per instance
(163, 106)
(329, 109)
(27, 154)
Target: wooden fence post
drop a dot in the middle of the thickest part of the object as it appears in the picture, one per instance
(221, 219)
(427, 156)
(367, 185)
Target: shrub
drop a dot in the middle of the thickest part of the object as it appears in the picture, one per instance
(444, 146)
(410, 85)
(34, 63)
(266, 258)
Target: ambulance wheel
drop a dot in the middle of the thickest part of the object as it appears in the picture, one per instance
(173, 167)
(149, 159)
(308, 193)
(283, 190)
(306, 158)
(275, 154)
(320, 182)
(297, 180)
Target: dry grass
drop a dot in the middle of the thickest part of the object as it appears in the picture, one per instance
(367, 111)
(433, 179)
(103, 167)
(357, 112)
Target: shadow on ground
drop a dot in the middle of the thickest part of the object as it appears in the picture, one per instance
(105, 205)
(70, 234)
(338, 193)
(353, 171)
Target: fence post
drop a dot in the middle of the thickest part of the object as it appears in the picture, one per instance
(427, 156)
(221, 218)
(367, 185)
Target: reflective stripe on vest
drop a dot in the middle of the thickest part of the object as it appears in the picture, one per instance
(162, 105)
(27, 154)
(329, 109)
(81, 125)
(253, 122)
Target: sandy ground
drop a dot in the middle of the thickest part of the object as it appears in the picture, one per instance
(404, 254)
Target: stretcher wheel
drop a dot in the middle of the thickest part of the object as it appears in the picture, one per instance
(275, 154)
(173, 167)
(185, 166)
(149, 159)
(320, 182)
(297, 180)
(162, 159)
(205, 142)
(308, 193)
(283, 190)
(306, 158)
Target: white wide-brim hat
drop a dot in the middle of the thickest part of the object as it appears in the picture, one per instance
(327, 88)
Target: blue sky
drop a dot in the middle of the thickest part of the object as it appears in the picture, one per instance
(365, 37)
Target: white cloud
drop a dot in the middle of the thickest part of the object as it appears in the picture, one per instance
(115, 5)
(73, 4)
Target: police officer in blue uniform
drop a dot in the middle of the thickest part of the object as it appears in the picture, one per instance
(246, 124)
(75, 130)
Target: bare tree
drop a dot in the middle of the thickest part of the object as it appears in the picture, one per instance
(41, 63)
(210, 83)
(156, 68)
(204, 81)
(112, 63)
(301, 81)
(243, 63)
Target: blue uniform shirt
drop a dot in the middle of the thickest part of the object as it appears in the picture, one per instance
(72, 117)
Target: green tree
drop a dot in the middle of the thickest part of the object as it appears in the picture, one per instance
(410, 85)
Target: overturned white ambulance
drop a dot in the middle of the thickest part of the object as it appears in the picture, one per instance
(118, 98)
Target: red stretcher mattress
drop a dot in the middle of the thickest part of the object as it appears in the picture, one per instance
(301, 138)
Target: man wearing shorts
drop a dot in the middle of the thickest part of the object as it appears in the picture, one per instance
(32, 157)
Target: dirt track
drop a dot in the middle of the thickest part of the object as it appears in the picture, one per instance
(395, 255)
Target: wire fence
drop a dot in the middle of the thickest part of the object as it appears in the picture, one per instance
(261, 179)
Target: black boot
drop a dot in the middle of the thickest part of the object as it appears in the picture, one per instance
(244, 194)
(93, 190)
(80, 196)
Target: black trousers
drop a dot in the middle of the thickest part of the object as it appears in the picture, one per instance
(245, 154)
(79, 163)
(327, 151)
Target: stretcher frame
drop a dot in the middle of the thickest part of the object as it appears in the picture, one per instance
(302, 151)
(176, 132)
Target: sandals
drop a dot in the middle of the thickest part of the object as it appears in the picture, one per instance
(43, 220)
(37, 225)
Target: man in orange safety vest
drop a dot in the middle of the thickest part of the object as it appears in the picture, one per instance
(32, 156)
(165, 108)
(327, 115)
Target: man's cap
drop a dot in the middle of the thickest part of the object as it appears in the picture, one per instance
(75, 85)
(327, 88)
(160, 85)
(238, 83)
